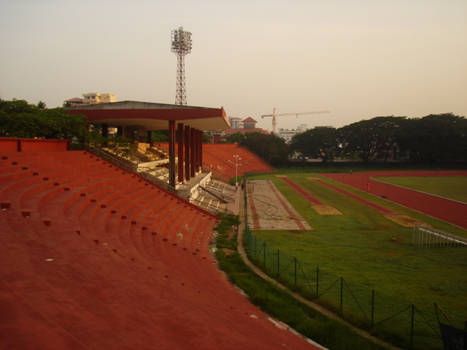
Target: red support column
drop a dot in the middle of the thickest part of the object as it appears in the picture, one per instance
(187, 152)
(201, 151)
(192, 152)
(172, 153)
(149, 137)
(198, 151)
(181, 136)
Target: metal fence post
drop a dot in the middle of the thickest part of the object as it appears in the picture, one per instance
(317, 281)
(295, 271)
(341, 307)
(278, 262)
(412, 317)
(372, 322)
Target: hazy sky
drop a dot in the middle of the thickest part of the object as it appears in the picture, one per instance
(357, 58)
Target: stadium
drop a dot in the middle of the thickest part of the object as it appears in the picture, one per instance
(124, 244)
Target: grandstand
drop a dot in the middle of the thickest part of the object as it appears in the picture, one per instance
(219, 159)
(94, 256)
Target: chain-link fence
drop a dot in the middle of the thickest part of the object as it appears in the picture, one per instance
(394, 319)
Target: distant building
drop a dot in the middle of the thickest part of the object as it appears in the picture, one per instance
(94, 97)
(235, 122)
(244, 126)
(249, 123)
(287, 134)
(90, 99)
(302, 128)
(75, 101)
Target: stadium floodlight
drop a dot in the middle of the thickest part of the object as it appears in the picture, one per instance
(181, 46)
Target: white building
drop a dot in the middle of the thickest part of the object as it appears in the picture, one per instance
(287, 134)
(235, 122)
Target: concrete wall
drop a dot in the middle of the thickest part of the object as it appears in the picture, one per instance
(8, 144)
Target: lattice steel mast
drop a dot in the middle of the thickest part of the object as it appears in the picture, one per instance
(181, 46)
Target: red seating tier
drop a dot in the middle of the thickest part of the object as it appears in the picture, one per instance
(95, 257)
(219, 158)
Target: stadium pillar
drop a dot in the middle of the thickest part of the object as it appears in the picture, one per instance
(187, 152)
(105, 132)
(192, 152)
(172, 153)
(201, 151)
(119, 130)
(149, 137)
(200, 133)
(181, 136)
(196, 151)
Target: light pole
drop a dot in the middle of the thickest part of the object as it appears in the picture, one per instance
(237, 158)
(181, 46)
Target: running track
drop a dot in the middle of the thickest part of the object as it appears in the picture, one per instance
(441, 208)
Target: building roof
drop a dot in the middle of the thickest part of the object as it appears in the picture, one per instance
(249, 120)
(74, 99)
(153, 116)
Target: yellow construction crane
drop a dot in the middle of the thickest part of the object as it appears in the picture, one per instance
(274, 115)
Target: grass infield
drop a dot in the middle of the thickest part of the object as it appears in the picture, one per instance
(372, 252)
(449, 187)
(278, 303)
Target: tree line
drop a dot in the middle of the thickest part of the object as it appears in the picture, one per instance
(431, 139)
(18, 118)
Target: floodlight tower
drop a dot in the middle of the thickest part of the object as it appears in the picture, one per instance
(181, 46)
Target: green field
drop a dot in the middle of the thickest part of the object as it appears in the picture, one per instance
(449, 187)
(369, 252)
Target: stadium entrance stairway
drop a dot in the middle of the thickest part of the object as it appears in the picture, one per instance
(201, 190)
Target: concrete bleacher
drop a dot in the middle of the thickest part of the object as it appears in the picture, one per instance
(219, 159)
(93, 256)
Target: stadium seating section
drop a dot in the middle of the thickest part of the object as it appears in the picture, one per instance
(219, 158)
(94, 257)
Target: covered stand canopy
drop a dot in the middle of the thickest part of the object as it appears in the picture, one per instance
(190, 121)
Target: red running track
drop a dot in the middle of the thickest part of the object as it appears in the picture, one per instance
(357, 198)
(93, 257)
(301, 191)
(441, 208)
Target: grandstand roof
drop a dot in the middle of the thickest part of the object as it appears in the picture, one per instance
(153, 116)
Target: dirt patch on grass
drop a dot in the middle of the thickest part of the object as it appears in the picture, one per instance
(231, 234)
(405, 220)
(323, 209)
(313, 178)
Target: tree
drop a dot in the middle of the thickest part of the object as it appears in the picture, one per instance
(160, 136)
(21, 119)
(320, 142)
(271, 148)
(436, 137)
(238, 137)
(372, 139)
